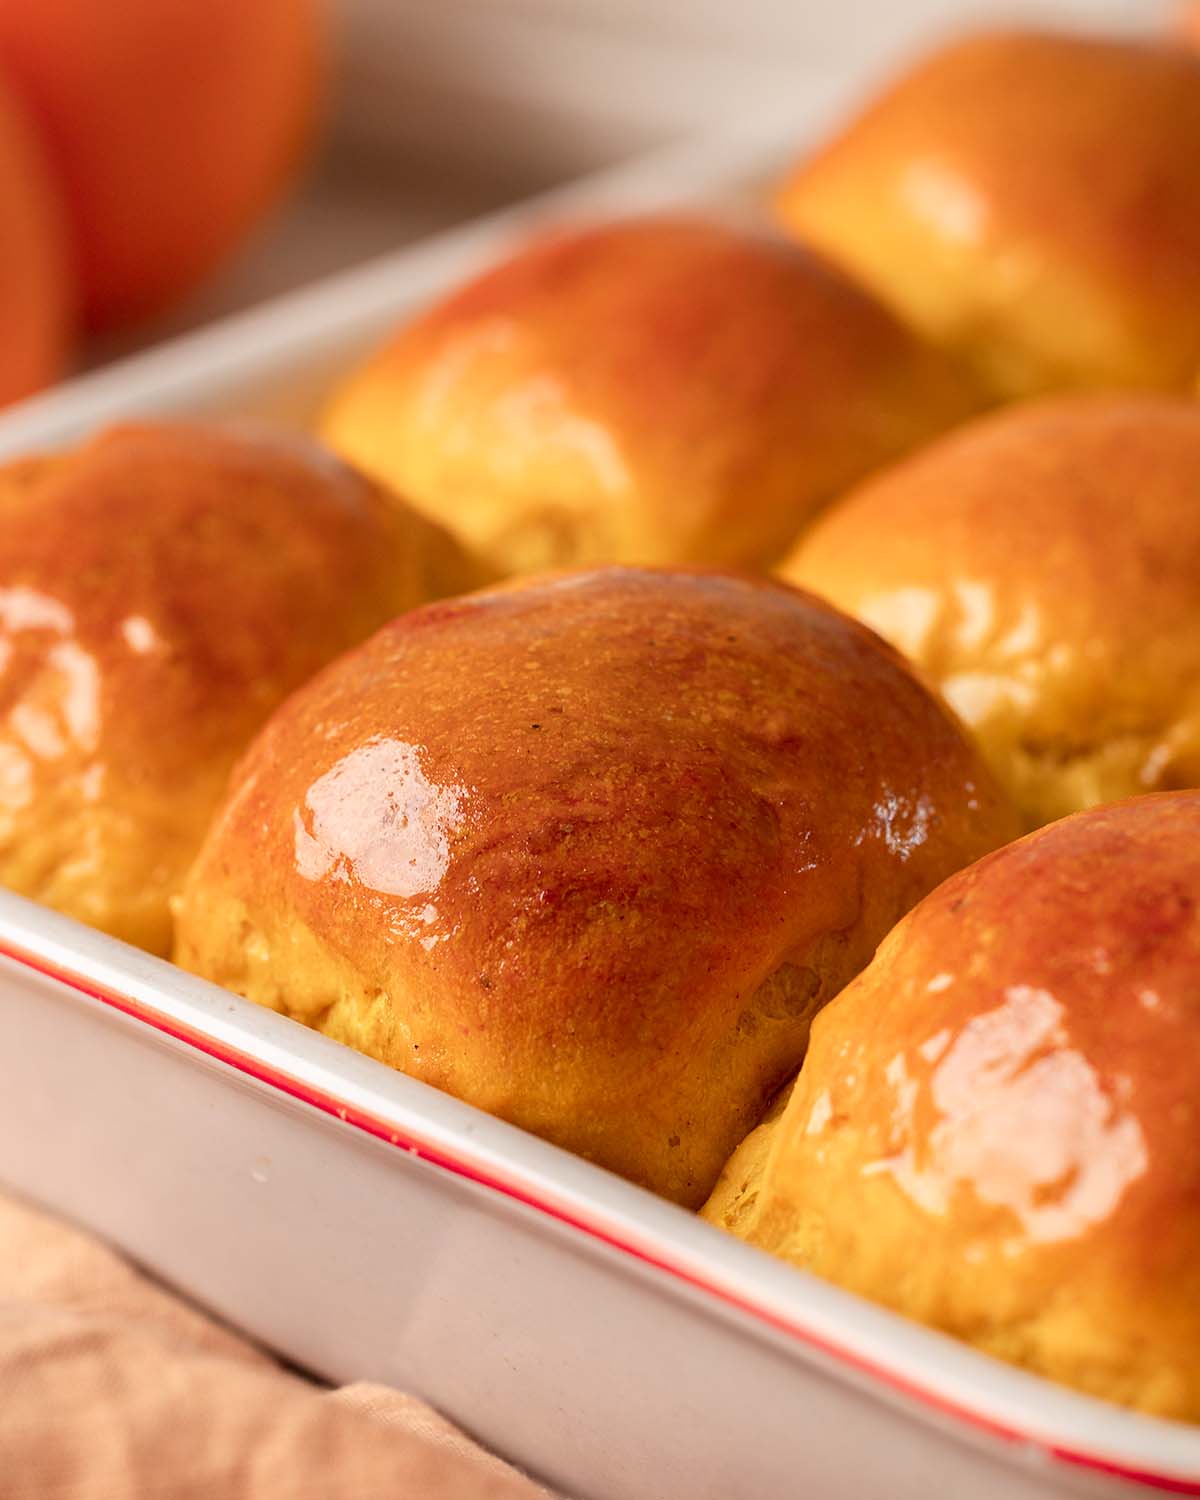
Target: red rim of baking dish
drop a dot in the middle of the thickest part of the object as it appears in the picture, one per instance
(481, 1176)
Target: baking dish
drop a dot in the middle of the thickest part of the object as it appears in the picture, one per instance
(367, 1226)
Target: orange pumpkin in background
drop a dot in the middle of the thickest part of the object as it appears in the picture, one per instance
(173, 124)
(35, 297)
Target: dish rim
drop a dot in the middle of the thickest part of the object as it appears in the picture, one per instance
(930, 1374)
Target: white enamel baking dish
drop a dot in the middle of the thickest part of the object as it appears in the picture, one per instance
(369, 1227)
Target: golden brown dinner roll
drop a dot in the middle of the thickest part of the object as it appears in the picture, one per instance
(1042, 567)
(996, 1126)
(733, 1201)
(161, 589)
(589, 853)
(659, 390)
(1032, 202)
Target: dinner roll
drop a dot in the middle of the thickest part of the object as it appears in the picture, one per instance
(1042, 567)
(658, 390)
(733, 1201)
(1032, 202)
(161, 589)
(995, 1128)
(589, 853)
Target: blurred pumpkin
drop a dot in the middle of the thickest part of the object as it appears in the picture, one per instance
(173, 124)
(35, 281)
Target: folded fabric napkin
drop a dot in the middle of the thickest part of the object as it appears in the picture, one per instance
(111, 1387)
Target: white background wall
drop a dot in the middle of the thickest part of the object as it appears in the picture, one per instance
(543, 86)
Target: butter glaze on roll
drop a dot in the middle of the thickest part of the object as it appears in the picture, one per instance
(649, 391)
(995, 1130)
(161, 589)
(590, 852)
(1031, 202)
(1042, 568)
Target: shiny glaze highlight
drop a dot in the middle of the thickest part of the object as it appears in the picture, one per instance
(995, 1127)
(589, 852)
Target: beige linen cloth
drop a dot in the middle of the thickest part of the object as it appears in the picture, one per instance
(111, 1387)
